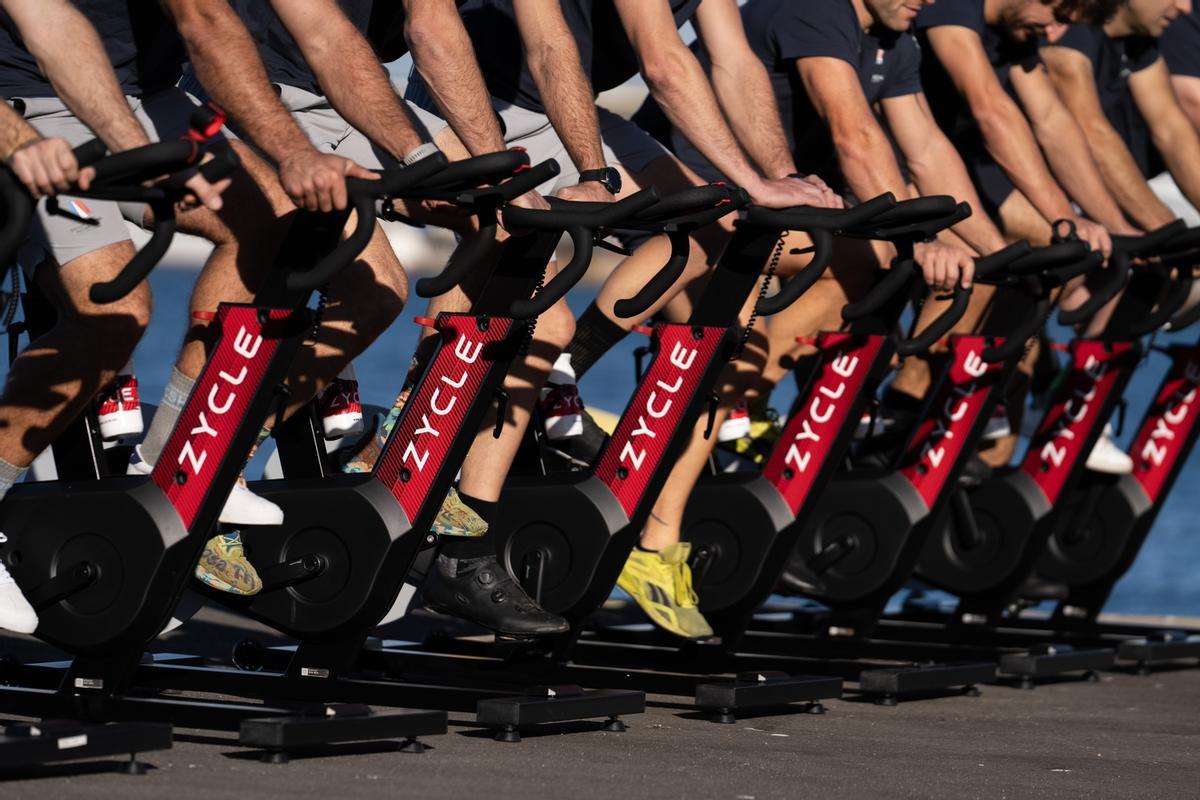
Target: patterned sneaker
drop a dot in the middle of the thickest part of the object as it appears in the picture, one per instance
(458, 519)
(120, 409)
(341, 409)
(223, 566)
(365, 458)
(761, 423)
(661, 584)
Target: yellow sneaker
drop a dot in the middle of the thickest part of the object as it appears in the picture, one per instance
(224, 566)
(764, 432)
(661, 583)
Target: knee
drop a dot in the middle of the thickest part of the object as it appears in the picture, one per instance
(386, 299)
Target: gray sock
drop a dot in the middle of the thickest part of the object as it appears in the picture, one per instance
(9, 474)
(174, 398)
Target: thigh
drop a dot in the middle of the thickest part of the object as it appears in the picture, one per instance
(1020, 220)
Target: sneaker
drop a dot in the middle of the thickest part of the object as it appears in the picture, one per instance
(998, 425)
(559, 402)
(762, 431)
(242, 507)
(661, 584)
(223, 566)
(119, 412)
(481, 591)
(736, 425)
(456, 518)
(16, 614)
(341, 409)
(1107, 457)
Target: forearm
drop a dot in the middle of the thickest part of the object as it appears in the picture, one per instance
(567, 96)
(1179, 144)
(357, 86)
(867, 161)
(15, 132)
(1071, 161)
(226, 61)
(1011, 144)
(681, 89)
(938, 169)
(73, 59)
(442, 53)
(1123, 177)
(748, 100)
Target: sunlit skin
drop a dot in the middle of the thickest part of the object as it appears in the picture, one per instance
(896, 15)
(1023, 20)
(1146, 17)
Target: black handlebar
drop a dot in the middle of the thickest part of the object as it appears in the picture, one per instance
(483, 202)
(580, 221)
(362, 195)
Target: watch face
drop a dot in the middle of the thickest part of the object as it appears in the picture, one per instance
(612, 180)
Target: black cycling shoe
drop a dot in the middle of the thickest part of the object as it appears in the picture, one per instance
(480, 590)
(580, 451)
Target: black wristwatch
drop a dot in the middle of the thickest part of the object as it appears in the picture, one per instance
(607, 177)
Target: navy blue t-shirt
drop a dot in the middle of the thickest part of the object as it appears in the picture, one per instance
(948, 106)
(1113, 61)
(607, 56)
(144, 47)
(1180, 44)
(783, 31)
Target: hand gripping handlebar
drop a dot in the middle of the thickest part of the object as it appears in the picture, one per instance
(1125, 248)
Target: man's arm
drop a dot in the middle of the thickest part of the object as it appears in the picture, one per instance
(678, 83)
(937, 168)
(1066, 149)
(226, 61)
(1187, 89)
(1174, 135)
(442, 53)
(72, 58)
(743, 88)
(349, 73)
(1071, 73)
(1005, 132)
(44, 166)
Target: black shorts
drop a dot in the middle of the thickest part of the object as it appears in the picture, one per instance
(990, 180)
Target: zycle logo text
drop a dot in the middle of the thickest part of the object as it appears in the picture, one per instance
(1154, 452)
(933, 450)
(221, 397)
(1074, 412)
(441, 403)
(820, 411)
(656, 407)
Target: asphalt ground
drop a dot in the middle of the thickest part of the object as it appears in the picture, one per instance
(1126, 736)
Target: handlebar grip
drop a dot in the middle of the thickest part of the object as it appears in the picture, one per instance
(939, 327)
(561, 283)
(143, 261)
(1055, 255)
(487, 168)
(529, 179)
(1015, 343)
(1170, 305)
(1151, 241)
(564, 215)
(994, 262)
(1060, 275)
(687, 201)
(469, 253)
(895, 280)
(224, 163)
(810, 218)
(916, 210)
(146, 162)
(1118, 265)
(345, 251)
(801, 282)
(663, 280)
(90, 152)
(397, 180)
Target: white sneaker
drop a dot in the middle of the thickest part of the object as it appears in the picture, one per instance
(1107, 457)
(119, 410)
(560, 403)
(243, 507)
(341, 409)
(736, 425)
(15, 612)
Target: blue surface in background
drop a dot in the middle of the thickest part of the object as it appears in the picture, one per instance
(1165, 579)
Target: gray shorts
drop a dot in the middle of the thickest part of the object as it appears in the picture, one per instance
(330, 133)
(625, 144)
(165, 115)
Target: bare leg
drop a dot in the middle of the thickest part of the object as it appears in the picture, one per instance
(54, 379)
